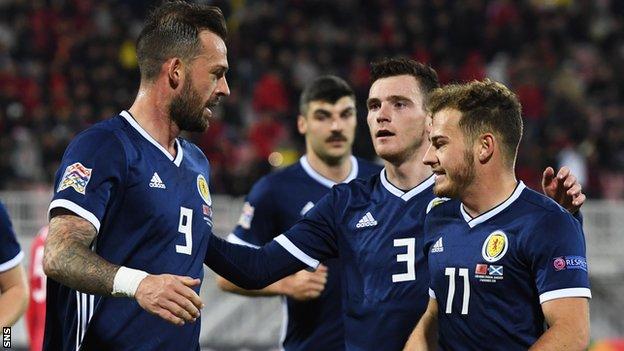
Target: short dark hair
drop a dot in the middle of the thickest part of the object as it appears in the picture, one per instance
(326, 88)
(398, 66)
(485, 106)
(172, 30)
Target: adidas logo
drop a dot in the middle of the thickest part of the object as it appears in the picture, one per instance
(156, 182)
(366, 221)
(438, 246)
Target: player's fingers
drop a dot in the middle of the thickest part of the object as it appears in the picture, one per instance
(321, 268)
(579, 200)
(571, 180)
(575, 190)
(188, 281)
(190, 295)
(188, 300)
(319, 279)
(182, 308)
(547, 177)
(169, 317)
(563, 172)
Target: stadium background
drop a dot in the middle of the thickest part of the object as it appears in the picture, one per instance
(65, 65)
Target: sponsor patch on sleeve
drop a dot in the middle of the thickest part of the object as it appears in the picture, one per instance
(570, 262)
(76, 176)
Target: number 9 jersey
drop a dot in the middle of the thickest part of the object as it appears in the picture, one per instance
(151, 212)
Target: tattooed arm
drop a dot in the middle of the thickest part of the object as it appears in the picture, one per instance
(69, 260)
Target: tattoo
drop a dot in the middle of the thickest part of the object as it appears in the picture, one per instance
(69, 260)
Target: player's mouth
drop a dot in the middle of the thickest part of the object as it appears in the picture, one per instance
(438, 173)
(383, 134)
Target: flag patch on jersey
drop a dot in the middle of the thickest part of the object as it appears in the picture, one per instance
(246, 216)
(438, 246)
(366, 221)
(488, 273)
(76, 176)
(570, 262)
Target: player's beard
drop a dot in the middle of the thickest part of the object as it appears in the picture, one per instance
(187, 109)
(458, 179)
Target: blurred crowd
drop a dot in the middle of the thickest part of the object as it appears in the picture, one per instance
(65, 65)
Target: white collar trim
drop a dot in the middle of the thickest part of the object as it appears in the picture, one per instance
(472, 222)
(406, 196)
(325, 181)
(178, 159)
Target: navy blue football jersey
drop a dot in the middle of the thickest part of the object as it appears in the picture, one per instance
(10, 252)
(376, 230)
(276, 202)
(490, 274)
(151, 212)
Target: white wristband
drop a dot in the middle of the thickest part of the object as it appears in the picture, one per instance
(127, 281)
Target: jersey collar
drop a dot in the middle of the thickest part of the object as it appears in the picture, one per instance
(405, 195)
(178, 159)
(472, 222)
(325, 181)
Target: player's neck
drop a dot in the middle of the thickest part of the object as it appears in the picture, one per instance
(151, 112)
(487, 192)
(408, 173)
(336, 172)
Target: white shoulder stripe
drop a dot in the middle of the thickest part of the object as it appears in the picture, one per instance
(295, 251)
(232, 238)
(69, 205)
(561, 293)
(12, 262)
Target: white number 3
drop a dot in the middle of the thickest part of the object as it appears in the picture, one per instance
(408, 258)
(185, 227)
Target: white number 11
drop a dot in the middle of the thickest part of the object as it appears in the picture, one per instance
(463, 272)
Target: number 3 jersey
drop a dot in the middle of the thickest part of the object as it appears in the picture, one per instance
(376, 231)
(490, 274)
(151, 212)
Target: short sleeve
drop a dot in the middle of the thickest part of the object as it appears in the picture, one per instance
(10, 252)
(92, 169)
(256, 224)
(556, 252)
(314, 238)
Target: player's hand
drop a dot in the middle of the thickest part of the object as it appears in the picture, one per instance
(170, 297)
(305, 285)
(563, 188)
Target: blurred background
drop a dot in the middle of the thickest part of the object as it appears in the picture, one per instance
(66, 64)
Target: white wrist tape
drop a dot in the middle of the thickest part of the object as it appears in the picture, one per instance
(127, 281)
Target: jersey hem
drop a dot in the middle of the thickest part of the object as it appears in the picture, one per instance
(561, 293)
(12, 263)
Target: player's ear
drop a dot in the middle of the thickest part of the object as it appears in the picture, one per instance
(486, 145)
(302, 124)
(175, 73)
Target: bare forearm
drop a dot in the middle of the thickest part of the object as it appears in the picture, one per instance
(425, 334)
(561, 338)
(13, 303)
(568, 319)
(69, 260)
